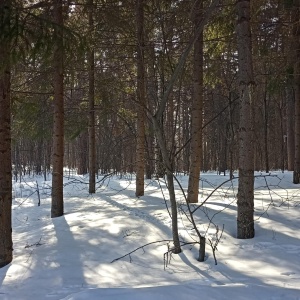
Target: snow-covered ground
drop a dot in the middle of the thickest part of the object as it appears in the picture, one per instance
(70, 257)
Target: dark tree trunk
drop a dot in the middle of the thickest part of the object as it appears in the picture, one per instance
(197, 106)
(245, 203)
(82, 153)
(57, 205)
(5, 141)
(290, 97)
(152, 97)
(266, 139)
(92, 132)
(290, 120)
(141, 95)
(170, 180)
(296, 36)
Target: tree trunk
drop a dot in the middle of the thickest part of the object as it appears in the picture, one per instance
(245, 202)
(290, 96)
(296, 35)
(57, 205)
(170, 180)
(150, 151)
(266, 138)
(290, 127)
(201, 257)
(140, 139)
(152, 98)
(92, 133)
(82, 153)
(197, 105)
(5, 141)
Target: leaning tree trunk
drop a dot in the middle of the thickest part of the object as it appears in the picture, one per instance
(296, 35)
(197, 105)
(170, 180)
(245, 202)
(5, 140)
(57, 205)
(158, 126)
(141, 94)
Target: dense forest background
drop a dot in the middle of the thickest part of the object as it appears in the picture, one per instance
(167, 31)
(148, 87)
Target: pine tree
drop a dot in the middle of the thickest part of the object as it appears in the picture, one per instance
(57, 205)
(245, 203)
(5, 137)
(91, 96)
(296, 43)
(197, 109)
(141, 99)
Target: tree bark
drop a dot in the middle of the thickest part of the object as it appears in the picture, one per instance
(57, 205)
(6, 246)
(296, 36)
(290, 96)
(290, 127)
(157, 124)
(141, 95)
(197, 105)
(245, 202)
(82, 153)
(92, 132)
(152, 97)
(266, 125)
(170, 180)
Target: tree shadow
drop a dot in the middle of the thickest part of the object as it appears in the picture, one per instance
(3, 273)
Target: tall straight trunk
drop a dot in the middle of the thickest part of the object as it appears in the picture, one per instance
(232, 136)
(290, 107)
(92, 133)
(245, 202)
(57, 205)
(82, 153)
(266, 121)
(152, 95)
(282, 131)
(197, 106)
(141, 95)
(6, 245)
(296, 36)
(150, 168)
(290, 96)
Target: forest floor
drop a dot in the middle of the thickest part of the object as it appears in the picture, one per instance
(70, 257)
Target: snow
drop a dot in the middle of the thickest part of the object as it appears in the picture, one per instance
(70, 257)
